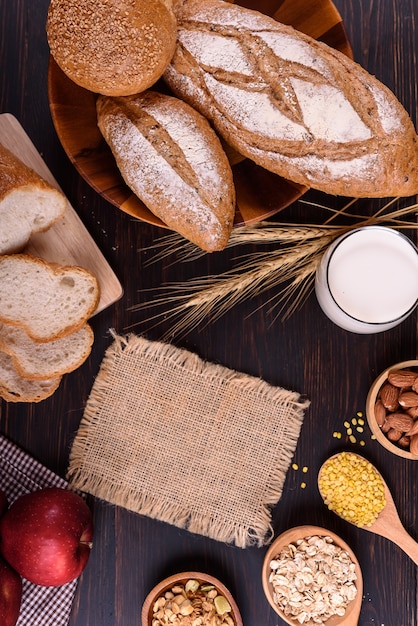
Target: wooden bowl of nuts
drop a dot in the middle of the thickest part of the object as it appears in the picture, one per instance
(310, 576)
(188, 598)
(392, 409)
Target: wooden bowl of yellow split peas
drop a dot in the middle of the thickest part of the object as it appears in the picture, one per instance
(188, 595)
(352, 488)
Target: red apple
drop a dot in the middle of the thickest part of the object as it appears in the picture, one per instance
(46, 536)
(4, 502)
(10, 594)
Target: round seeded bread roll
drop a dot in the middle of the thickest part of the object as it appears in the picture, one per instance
(112, 47)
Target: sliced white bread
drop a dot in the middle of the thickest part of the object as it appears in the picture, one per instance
(46, 300)
(14, 388)
(28, 203)
(40, 361)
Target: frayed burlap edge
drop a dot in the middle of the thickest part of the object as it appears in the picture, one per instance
(260, 532)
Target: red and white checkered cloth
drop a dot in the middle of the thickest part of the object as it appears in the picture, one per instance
(20, 474)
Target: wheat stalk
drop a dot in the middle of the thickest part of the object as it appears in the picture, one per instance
(282, 232)
(292, 264)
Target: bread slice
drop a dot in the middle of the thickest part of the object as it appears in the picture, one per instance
(28, 203)
(173, 161)
(14, 388)
(40, 361)
(292, 104)
(46, 300)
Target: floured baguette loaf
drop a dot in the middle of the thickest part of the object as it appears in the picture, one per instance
(173, 161)
(14, 388)
(46, 300)
(40, 361)
(28, 203)
(293, 105)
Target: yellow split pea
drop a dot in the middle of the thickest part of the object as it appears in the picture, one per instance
(352, 488)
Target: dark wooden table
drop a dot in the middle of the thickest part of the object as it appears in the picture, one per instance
(307, 353)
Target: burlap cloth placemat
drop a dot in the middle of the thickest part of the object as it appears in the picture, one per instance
(190, 443)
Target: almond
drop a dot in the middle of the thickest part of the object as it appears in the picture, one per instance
(408, 399)
(413, 430)
(404, 441)
(415, 385)
(400, 421)
(389, 396)
(413, 445)
(379, 413)
(402, 378)
(385, 426)
(394, 435)
(412, 411)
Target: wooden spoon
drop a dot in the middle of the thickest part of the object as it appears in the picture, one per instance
(387, 524)
(292, 535)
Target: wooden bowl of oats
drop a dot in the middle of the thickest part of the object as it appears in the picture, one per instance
(185, 597)
(298, 560)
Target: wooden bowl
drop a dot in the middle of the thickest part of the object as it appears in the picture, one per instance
(260, 194)
(292, 535)
(370, 412)
(182, 578)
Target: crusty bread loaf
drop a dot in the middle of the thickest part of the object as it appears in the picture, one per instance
(40, 361)
(113, 47)
(14, 388)
(174, 162)
(292, 104)
(47, 300)
(28, 203)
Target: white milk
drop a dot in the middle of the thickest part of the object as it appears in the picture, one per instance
(367, 281)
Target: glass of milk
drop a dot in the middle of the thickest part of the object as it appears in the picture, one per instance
(367, 281)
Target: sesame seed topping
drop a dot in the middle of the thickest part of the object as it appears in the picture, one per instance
(110, 43)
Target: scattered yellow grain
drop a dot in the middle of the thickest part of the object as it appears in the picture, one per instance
(360, 429)
(352, 439)
(352, 488)
(302, 485)
(304, 469)
(295, 466)
(359, 413)
(373, 437)
(347, 424)
(354, 421)
(349, 431)
(361, 422)
(362, 443)
(336, 434)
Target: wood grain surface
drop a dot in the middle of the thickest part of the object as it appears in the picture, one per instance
(306, 353)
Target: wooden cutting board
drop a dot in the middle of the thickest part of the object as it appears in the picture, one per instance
(67, 242)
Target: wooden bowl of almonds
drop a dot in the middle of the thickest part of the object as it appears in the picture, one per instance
(392, 409)
(189, 599)
(311, 576)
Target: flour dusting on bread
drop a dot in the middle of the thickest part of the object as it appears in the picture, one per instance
(173, 161)
(292, 104)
